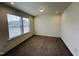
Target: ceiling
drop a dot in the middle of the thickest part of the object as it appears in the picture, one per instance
(32, 8)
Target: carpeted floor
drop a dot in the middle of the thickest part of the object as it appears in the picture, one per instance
(40, 46)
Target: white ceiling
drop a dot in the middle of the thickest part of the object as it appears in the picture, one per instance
(32, 8)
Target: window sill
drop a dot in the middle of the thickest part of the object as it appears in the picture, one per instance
(17, 36)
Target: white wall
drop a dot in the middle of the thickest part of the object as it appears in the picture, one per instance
(70, 28)
(47, 25)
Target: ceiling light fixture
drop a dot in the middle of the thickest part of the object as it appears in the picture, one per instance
(12, 3)
(41, 10)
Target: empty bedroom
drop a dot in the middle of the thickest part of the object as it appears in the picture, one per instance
(39, 28)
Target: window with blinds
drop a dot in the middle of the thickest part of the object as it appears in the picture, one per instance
(26, 25)
(17, 25)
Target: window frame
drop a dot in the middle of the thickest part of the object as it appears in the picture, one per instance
(22, 28)
(28, 25)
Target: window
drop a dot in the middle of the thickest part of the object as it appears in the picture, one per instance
(17, 25)
(26, 25)
(14, 25)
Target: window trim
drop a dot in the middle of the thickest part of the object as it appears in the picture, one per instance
(18, 36)
(22, 28)
(29, 25)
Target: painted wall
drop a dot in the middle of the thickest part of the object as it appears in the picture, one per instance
(6, 44)
(47, 25)
(70, 28)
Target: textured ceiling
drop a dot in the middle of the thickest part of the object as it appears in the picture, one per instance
(33, 7)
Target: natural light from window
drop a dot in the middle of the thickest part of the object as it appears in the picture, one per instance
(14, 25)
(17, 25)
(26, 25)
